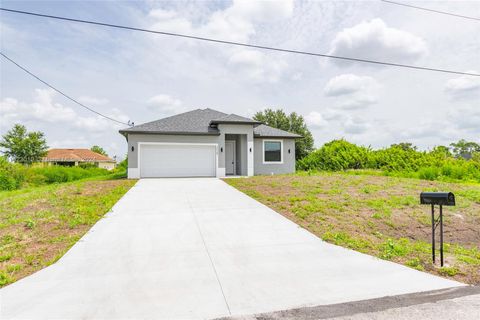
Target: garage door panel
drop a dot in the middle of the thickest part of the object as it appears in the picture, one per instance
(177, 161)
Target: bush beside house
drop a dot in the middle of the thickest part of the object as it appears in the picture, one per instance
(397, 160)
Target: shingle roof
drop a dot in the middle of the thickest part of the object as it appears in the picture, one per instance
(233, 118)
(81, 155)
(198, 122)
(266, 131)
(191, 122)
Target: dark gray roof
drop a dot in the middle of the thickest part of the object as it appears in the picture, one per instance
(233, 118)
(191, 122)
(198, 122)
(269, 132)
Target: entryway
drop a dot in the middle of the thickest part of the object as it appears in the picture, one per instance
(230, 157)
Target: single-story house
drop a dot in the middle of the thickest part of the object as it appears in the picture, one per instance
(75, 157)
(208, 143)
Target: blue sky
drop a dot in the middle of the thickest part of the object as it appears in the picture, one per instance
(143, 77)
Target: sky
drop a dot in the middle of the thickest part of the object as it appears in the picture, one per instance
(144, 77)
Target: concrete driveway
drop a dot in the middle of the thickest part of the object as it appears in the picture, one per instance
(199, 249)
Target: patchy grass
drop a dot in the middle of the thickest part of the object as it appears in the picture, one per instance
(38, 225)
(378, 215)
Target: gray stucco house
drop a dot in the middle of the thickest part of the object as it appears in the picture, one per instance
(208, 143)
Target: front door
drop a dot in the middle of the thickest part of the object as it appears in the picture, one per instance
(230, 157)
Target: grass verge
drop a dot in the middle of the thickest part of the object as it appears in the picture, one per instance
(378, 215)
(38, 225)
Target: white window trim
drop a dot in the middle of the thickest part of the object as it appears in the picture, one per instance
(281, 151)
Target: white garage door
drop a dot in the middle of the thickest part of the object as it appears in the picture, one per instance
(166, 160)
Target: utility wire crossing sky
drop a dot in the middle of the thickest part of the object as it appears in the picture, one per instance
(61, 92)
(239, 43)
(431, 10)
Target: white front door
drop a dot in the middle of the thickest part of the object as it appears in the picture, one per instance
(230, 157)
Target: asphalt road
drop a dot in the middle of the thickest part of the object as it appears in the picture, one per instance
(456, 304)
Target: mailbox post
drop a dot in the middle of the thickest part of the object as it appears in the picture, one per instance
(441, 199)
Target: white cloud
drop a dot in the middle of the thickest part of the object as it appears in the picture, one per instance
(463, 86)
(77, 142)
(93, 100)
(358, 101)
(258, 66)
(235, 23)
(356, 125)
(466, 118)
(352, 91)
(347, 84)
(315, 120)
(169, 21)
(44, 109)
(262, 11)
(427, 129)
(165, 104)
(375, 40)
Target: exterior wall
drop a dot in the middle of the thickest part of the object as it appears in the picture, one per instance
(242, 129)
(288, 164)
(243, 155)
(134, 139)
(249, 151)
(106, 165)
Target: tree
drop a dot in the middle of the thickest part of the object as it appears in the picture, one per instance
(22, 146)
(100, 150)
(294, 123)
(464, 149)
(405, 146)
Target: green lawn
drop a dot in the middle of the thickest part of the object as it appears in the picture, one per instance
(378, 215)
(38, 225)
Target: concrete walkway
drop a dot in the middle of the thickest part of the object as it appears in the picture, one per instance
(199, 249)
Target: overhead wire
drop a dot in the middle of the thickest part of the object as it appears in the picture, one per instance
(241, 44)
(430, 10)
(61, 92)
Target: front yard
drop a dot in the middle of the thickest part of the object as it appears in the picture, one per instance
(38, 225)
(378, 215)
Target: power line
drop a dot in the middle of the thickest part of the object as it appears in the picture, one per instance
(240, 44)
(61, 92)
(431, 10)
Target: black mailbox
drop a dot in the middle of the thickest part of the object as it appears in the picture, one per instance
(440, 198)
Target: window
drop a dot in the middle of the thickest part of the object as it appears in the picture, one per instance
(272, 151)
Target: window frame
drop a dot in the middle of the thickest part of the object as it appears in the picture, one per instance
(281, 151)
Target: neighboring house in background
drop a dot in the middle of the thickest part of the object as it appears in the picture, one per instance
(208, 143)
(75, 157)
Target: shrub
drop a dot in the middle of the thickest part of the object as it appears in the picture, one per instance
(11, 175)
(336, 155)
(58, 174)
(429, 173)
(400, 160)
(14, 176)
